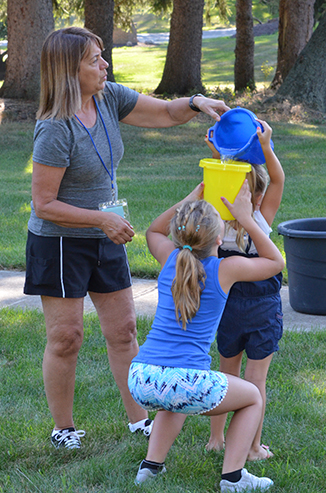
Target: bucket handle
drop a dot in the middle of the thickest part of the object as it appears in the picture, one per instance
(210, 131)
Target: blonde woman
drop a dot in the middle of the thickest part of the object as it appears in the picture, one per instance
(171, 373)
(73, 247)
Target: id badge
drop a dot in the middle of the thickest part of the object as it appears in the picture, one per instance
(119, 207)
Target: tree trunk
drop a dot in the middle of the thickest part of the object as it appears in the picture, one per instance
(244, 74)
(99, 20)
(296, 20)
(29, 22)
(306, 81)
(182, 70)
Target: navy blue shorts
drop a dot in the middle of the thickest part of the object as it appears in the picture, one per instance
(252, 320)
(66, 267)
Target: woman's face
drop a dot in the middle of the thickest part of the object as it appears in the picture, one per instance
(92, 71)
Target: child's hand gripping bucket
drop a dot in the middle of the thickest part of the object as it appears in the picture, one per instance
(235, 136)
(223, 180)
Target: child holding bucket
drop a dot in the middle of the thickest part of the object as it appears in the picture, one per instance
(171, 373)
(252, 319)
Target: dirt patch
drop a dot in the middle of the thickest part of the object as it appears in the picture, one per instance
(17, 110)
(266, 107)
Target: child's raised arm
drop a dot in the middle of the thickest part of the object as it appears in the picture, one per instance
(236, 268)
(273, 196)
(158, 242)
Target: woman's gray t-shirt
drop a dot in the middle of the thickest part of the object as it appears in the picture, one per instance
(66, 144)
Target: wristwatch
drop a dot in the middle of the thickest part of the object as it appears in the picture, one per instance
(191, 104)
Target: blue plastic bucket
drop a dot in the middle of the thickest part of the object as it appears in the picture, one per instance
(235, 136)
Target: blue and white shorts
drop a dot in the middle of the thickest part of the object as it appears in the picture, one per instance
(178, 390)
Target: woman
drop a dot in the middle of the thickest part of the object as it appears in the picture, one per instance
(73, 247)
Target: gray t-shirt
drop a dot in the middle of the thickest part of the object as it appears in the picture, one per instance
(66, 144)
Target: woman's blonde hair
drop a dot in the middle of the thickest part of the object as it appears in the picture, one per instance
(194, 229)
(61, 55)
(258, 181)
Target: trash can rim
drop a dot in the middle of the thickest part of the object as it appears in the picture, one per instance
(287, 228)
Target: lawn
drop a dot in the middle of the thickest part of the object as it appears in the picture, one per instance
(160, 166)
(144, 72)
(107, 463)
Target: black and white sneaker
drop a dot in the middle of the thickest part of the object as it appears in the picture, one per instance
(68, 438)
(146, 472)
(145, 426)
(248, 482)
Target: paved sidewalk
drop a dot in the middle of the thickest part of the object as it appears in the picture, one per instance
(159, 38)
(145, 297)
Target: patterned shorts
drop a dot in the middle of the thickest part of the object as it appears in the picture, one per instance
(179, 390)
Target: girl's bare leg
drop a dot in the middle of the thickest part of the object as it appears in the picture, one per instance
(230, 366)
(244, 398)
(166, 428)
(256, 372)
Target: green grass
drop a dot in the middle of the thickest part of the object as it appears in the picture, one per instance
(141, 67)
(294, 424)
(159, 168)
(16, 140)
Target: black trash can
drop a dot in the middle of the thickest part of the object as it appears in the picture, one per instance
(305, 250)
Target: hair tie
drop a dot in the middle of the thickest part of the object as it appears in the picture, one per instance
(187, 246)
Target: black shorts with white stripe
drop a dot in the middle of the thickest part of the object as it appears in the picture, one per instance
(67, 267)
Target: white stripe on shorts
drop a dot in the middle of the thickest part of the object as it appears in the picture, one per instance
(127, 263)
(61, 268)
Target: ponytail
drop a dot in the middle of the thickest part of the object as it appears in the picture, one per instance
(194, 230)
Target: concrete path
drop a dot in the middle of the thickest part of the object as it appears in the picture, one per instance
(145, 297)
(158, 38)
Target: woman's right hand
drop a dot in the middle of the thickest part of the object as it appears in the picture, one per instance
(118, 229)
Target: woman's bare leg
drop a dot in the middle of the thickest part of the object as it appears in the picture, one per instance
(64, 329)
(231, 366)
(117, 317)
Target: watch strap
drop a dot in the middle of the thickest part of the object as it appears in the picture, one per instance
(191, 104)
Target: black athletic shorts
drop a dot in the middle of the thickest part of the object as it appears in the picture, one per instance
(66, 267)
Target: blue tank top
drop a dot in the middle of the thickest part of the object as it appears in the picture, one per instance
(167, 344)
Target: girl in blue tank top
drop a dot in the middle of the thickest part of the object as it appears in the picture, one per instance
(171, 373)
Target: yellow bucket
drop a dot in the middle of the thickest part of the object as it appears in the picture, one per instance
(223, 180)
